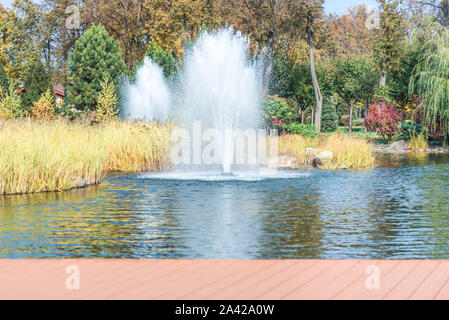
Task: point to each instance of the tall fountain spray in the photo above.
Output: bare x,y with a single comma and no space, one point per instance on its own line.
149,97
220,87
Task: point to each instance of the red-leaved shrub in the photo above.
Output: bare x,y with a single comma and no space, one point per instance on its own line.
383,118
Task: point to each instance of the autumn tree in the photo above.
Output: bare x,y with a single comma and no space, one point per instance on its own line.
25,35
125,21
388,48
173,24
349,34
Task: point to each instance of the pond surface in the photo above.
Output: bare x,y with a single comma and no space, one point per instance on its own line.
400,210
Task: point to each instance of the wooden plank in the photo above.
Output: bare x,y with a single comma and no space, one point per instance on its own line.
226,280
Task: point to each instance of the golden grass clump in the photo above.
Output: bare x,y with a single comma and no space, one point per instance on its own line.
349,151
58,155
295,146
418,143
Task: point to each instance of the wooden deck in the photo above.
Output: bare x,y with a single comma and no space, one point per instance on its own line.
223,280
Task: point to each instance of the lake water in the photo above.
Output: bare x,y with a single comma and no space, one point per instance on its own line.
399,210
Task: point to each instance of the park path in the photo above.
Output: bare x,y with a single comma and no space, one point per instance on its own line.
223,280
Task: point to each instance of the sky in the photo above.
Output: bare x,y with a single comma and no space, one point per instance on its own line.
331,6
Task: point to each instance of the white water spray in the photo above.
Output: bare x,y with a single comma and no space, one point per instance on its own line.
221,87
149,98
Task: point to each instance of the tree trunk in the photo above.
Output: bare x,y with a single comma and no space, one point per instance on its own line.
383,79
316,85
302,117
445,10
312,121
351,108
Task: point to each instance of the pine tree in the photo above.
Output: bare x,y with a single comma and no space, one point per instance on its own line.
36,83
95,56
329,120
163,58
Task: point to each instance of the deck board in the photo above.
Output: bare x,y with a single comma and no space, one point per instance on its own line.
224,280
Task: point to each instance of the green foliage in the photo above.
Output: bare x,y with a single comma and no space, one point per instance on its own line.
95,56
390,37
163,58
10,103
36,83
329,116
4,82
430,77
355,79
107,102
305,130
409,129
275,108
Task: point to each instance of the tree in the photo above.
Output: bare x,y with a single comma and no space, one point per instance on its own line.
10,102
4,82
125,21
330,117
308,14
95,56
107,102
36,83
293,81
430,77
438,8
163,58
25,34
44,108
173,24
348,34
389,38
353,74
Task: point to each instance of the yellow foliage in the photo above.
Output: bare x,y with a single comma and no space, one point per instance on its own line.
44,108
107,102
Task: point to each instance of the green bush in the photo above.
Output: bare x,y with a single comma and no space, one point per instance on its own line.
10,102
329,117
358,122
410,129
275,108
305,130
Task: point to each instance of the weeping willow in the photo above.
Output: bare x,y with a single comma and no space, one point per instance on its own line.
430,78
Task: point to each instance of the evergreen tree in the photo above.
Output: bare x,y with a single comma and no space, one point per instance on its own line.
163,58
95,56
36,83
329,120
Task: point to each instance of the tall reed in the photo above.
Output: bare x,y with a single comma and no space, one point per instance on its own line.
349,151
58,155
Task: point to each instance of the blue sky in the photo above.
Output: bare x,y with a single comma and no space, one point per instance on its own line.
335,6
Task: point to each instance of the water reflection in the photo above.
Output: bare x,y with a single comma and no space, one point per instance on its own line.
396,211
